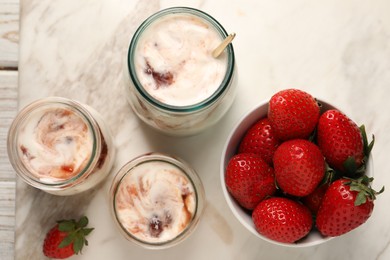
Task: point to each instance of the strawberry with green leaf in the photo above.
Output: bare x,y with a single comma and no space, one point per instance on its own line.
346,205
343,143
66,238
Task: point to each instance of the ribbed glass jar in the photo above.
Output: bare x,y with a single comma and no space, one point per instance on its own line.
179,64
60,146
156,200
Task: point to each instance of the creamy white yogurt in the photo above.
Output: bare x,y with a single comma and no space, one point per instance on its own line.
173,60
155,201
55,144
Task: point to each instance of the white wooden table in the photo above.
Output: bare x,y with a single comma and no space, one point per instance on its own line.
9,37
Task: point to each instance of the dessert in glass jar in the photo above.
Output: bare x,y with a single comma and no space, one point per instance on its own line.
157,200
173,82
60,146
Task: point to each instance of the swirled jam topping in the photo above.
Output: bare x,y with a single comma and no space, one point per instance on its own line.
173,60
55,144
155,202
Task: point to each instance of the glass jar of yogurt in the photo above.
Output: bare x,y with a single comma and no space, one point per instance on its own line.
60,146
157,200
173,82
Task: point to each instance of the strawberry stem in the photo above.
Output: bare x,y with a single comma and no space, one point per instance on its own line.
362,186
330,175
76,233
350,165
367,147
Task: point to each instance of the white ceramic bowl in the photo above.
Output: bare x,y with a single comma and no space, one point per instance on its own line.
230,149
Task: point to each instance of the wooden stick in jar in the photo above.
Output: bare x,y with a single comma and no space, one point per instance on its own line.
217,51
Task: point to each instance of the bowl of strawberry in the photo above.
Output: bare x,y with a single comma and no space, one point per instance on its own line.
296,171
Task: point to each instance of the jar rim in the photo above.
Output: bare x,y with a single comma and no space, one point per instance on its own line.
188,108
190,175
23,115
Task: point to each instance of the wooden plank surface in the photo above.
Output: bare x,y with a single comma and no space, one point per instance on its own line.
9,34
8,108
9,39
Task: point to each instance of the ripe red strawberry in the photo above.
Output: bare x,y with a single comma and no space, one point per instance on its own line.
299,167
346,205
260,139
293,114
249,179
341,141
314,199
66,238
282,219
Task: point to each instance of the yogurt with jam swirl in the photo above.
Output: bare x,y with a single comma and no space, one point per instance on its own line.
60,146
55,144
174,63
172,81
155,201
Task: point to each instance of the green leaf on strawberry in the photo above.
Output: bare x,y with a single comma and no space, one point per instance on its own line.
66,225
78,244
67,241
366,146
87,231
66,238
362,186
346,205
342,143
83,222
352,169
